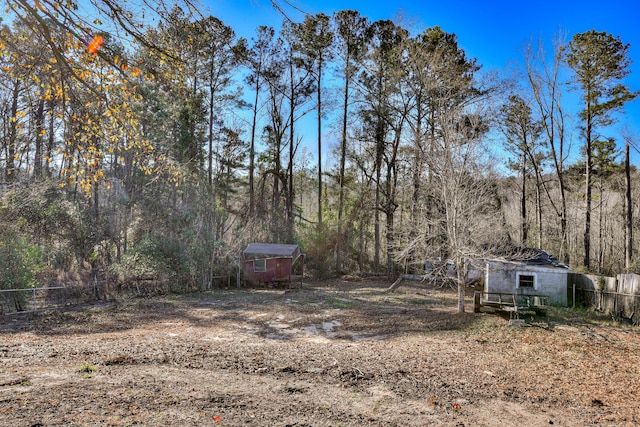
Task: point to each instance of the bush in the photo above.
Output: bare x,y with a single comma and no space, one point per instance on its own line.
20,263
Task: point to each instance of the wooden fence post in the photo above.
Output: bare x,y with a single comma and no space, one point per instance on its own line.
476,301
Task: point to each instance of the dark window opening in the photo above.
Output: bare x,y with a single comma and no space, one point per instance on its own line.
526,281
260,265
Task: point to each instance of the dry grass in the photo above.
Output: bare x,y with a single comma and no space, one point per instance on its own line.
333,353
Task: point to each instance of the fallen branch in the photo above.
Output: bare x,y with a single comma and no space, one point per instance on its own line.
402,277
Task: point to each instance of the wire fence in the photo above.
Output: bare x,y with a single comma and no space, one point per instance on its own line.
30,299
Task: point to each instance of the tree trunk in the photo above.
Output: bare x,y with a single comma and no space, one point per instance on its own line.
319,93
289,190
10,171
343,156
361,246
539,212
50,137
601,243
390,242
39,139
415,197
252,149
376,225
461,284
629,214
211,119
587,214
523,200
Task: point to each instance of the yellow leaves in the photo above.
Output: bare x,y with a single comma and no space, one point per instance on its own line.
39,6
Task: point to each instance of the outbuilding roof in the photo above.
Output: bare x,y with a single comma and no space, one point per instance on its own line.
532,256
271,250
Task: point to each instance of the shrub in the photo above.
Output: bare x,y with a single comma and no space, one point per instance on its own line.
20,263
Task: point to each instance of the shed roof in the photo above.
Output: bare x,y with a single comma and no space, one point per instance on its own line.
271,250
532,257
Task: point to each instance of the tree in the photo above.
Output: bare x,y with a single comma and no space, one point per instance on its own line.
351,45
439,78
221,56
522,133
316,39
600,62
257,60
546,87
604,164
380,83
449,118
628,214
297,89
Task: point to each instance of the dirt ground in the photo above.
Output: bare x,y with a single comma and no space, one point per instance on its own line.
333,353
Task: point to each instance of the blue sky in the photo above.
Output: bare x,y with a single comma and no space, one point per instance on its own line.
494,32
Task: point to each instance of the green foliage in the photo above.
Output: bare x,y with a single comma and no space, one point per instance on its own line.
159,257
19,262
600,61
88,370
44,215
87,367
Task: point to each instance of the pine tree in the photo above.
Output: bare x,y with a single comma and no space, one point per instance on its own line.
600,62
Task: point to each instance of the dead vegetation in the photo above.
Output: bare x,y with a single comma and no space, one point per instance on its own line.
332,353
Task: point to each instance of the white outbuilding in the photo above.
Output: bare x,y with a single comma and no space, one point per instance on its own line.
529,273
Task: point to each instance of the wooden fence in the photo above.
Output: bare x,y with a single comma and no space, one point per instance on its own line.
617,296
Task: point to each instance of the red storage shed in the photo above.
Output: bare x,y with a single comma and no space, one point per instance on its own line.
273,262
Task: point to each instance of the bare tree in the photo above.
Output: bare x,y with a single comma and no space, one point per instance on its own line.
546,86
630,142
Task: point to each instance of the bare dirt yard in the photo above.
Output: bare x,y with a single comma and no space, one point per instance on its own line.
333,353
